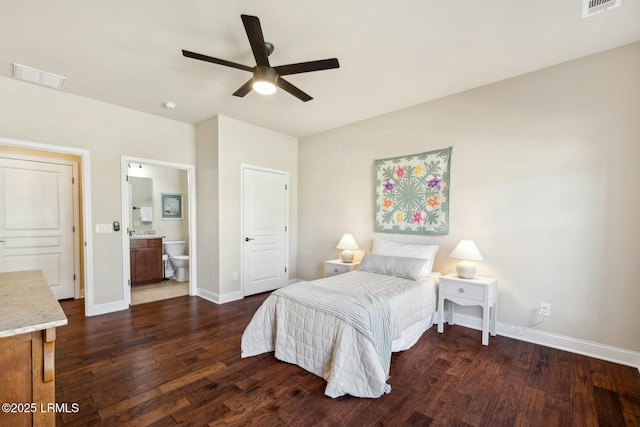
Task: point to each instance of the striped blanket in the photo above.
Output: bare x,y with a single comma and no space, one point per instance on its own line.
341,336
368,314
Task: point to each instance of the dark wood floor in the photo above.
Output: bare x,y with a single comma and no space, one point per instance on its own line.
178,362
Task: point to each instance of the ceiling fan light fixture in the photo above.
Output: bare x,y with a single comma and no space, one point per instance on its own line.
264,87
264,80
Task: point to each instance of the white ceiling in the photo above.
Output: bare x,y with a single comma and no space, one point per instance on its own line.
393,54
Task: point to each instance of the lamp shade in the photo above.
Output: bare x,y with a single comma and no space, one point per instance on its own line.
467,250
347,243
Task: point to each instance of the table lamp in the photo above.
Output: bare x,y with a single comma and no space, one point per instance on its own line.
347,244
466,251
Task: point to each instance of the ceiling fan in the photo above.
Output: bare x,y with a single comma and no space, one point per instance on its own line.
265,77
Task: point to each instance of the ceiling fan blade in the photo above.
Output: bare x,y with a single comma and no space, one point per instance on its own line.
307,67
285,85
244,89
206,58
256,39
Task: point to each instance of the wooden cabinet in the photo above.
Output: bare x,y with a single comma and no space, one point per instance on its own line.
146,261
30,315
28,379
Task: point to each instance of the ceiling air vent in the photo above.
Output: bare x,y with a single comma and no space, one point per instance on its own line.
43,78
593,7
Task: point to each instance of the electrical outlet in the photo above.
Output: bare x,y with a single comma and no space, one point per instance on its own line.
545,309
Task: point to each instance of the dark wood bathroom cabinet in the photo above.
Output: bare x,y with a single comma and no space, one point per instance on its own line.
146,261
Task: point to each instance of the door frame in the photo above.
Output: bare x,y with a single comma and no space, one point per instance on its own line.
243,167
85,208
126,208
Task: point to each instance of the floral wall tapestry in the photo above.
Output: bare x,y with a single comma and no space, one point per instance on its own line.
412,193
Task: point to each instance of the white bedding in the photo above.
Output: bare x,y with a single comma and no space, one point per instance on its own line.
328,347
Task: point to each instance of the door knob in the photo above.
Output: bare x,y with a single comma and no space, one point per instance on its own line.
246,239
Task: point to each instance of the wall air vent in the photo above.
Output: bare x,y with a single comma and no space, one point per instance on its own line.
43,78
593,7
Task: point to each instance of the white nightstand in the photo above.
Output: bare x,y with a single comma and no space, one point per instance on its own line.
336,266
482,291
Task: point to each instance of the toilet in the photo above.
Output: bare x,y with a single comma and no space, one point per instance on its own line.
177,259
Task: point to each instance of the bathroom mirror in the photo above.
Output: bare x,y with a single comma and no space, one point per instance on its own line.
141,202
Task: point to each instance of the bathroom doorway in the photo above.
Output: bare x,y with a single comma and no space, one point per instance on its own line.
158,206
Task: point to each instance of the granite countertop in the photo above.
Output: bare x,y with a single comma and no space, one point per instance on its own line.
146,236
27,304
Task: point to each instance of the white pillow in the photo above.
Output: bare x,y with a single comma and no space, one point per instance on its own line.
399,266
428,252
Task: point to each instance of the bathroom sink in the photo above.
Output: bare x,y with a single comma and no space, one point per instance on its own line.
146,236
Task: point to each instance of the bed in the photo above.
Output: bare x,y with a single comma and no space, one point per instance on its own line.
343,328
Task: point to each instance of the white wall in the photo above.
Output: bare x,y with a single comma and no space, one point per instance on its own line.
228,143
544,179
208,217
32,113
244,143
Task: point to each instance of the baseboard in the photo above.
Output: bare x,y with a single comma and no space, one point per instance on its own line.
208,295
219,298
233,296
561,342
230,297
111,307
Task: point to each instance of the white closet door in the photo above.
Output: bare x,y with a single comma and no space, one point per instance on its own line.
36,221
264,211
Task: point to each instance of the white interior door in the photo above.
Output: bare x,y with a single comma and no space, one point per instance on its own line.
36,221
264,210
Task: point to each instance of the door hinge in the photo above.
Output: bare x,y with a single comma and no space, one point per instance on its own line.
285,187
74,277
73,180
285,269
126,178
285,228
73,228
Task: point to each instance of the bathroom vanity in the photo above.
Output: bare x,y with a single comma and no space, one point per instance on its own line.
146,260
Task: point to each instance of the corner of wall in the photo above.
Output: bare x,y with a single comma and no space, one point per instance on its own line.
207,213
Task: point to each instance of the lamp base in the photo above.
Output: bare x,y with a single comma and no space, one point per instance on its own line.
466,270
347,256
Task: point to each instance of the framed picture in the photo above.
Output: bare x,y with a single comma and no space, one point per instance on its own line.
171,206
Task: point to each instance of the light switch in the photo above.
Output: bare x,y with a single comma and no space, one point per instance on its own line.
103,228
